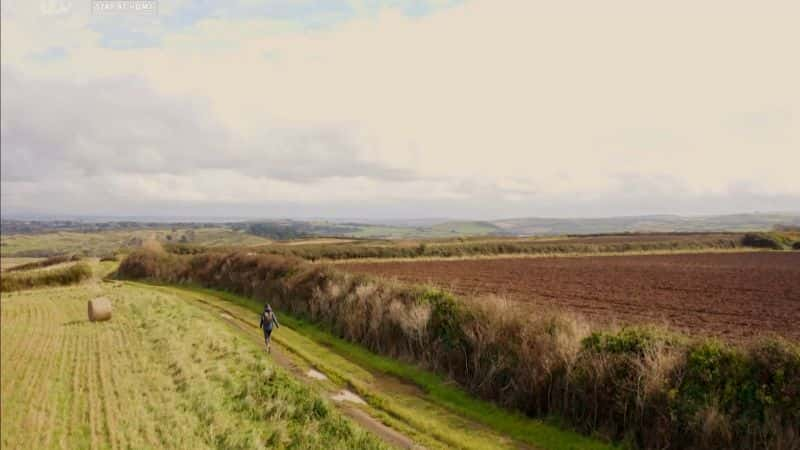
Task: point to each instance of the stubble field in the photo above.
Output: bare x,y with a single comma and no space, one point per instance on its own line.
161,374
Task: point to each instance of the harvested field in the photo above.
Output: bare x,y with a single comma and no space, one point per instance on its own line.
730,295
162,374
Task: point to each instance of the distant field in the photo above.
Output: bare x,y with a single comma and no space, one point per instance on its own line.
130,383
7,263
489,246
106,242
442,230
731,295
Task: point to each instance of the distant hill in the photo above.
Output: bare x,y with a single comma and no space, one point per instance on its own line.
536,226
656,223
286,229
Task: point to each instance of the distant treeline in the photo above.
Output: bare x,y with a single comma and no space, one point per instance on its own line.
641,386
292,229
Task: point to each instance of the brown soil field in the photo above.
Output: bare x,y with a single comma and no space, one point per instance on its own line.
733,296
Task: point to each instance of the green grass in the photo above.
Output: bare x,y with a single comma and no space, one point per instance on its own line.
438,231
475,228
382,231
389,399
436,389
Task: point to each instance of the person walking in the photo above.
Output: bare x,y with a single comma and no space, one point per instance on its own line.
268,321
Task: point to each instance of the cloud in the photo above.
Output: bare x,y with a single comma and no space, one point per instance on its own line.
476,109
122,126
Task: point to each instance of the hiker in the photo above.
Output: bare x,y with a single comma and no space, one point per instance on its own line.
268,320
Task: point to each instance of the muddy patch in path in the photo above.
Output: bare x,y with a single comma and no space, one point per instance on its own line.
348,396
317,375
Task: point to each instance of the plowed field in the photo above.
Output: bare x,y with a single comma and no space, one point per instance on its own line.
731,295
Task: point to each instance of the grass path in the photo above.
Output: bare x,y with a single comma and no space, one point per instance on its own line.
412,401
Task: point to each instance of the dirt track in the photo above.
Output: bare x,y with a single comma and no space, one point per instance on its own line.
733,295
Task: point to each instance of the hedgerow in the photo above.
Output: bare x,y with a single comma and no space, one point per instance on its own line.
72,274
643,386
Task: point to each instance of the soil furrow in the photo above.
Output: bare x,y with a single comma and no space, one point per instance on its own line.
737,296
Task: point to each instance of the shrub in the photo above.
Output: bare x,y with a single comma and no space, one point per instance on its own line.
631,340
774,241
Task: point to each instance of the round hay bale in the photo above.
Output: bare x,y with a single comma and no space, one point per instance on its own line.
99,309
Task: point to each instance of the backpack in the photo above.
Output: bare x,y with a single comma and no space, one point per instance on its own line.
266,319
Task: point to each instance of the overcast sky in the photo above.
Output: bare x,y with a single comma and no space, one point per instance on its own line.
474,109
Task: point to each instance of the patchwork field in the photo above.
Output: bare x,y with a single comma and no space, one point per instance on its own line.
730,295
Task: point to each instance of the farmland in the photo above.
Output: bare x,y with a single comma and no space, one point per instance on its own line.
731,295
129,383
99,243
185,368
642,384
507,361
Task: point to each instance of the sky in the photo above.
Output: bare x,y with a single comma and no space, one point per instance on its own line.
389,109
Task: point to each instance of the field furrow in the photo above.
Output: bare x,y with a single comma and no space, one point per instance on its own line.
55,413
78,426
40,388
736,296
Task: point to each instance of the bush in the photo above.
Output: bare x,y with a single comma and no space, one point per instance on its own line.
641,385
635,341
774,241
